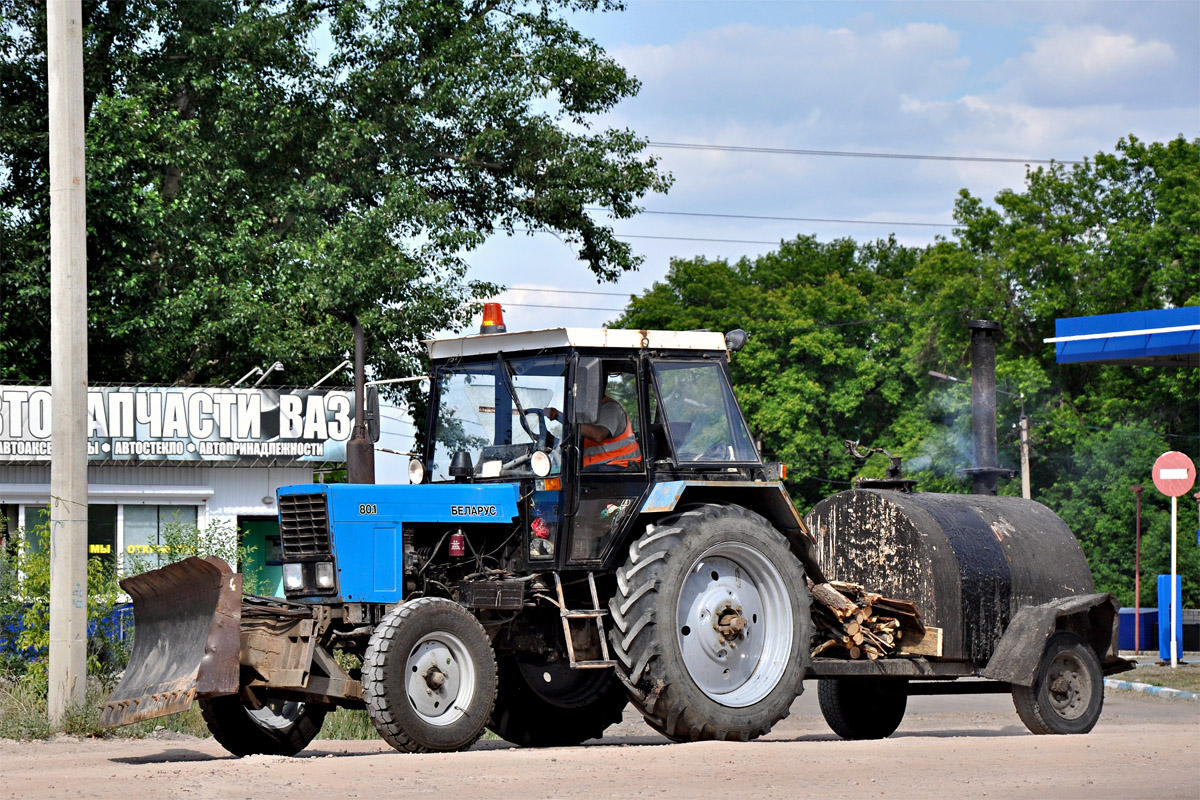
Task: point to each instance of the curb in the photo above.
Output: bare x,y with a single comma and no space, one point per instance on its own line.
1145,688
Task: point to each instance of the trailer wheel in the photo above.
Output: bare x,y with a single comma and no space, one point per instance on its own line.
429,677
1067,695
278,728
863,708
552,705
711,624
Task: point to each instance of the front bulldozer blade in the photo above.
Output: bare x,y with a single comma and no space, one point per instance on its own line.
186,628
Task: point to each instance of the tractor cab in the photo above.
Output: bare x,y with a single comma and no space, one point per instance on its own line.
587,422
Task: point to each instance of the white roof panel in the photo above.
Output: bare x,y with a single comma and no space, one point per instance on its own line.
518,341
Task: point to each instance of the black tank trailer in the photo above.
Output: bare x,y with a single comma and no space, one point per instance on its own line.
1001,582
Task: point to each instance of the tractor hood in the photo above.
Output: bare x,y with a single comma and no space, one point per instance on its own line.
395,503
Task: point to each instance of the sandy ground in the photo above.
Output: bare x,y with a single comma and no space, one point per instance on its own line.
955,747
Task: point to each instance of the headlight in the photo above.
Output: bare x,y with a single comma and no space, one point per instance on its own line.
324,575
293,577
539,462
416,471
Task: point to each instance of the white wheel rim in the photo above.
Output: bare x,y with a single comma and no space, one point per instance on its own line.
439,677
277,714
734,583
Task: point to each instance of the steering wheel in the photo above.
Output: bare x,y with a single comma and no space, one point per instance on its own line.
715,452
543,431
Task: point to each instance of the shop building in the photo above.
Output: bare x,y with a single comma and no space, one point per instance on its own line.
200,457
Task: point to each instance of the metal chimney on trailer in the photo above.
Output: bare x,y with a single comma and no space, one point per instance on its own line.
984,475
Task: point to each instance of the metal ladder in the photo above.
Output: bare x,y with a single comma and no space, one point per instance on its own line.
596,613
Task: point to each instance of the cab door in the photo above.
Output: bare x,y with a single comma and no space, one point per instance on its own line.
609,495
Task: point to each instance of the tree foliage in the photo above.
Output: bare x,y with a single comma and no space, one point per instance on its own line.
844,335
258,172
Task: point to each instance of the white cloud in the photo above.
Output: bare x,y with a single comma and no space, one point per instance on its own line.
1092,65
758,75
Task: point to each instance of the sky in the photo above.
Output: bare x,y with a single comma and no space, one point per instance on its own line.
1020,80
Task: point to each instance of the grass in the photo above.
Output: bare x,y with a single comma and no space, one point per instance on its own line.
348,723
1185,677
24,714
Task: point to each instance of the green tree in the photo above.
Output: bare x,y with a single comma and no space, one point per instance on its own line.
259,171
826,325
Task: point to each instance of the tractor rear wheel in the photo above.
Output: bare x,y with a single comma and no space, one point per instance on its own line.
711,624
277,728
863,708
552,705
429,677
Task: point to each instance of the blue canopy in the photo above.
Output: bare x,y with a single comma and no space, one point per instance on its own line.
1168,337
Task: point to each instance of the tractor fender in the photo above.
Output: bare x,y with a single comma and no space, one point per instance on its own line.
1019,652
766,498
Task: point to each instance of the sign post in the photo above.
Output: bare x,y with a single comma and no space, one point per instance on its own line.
1174,475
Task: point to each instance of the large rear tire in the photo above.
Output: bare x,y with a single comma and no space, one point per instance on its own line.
552,705
863,708
711,624
278,728
1067,695
429,677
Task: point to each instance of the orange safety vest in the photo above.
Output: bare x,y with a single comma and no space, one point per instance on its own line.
620,451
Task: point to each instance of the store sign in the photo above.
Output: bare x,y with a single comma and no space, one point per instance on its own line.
186,424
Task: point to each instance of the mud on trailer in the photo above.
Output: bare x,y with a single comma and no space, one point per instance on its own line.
511,587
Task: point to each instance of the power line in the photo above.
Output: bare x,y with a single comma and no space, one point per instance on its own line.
564,291
668,238
792,219
567,308
788,151
693,239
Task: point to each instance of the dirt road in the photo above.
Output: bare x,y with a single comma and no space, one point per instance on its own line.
958,747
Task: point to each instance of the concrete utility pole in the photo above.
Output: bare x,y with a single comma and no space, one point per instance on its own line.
1025,488
68,359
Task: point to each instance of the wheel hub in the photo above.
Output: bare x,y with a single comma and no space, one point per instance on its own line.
729,623
435,680
1068,687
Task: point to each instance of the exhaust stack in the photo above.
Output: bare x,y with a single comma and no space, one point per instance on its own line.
984,476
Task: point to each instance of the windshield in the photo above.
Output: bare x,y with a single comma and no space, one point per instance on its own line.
476,413
702,417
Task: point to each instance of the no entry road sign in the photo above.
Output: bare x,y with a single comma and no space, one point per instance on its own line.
1174,474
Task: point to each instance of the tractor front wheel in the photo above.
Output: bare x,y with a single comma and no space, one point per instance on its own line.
276,728
429,677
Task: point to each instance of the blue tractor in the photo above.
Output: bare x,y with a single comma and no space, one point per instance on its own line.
590,524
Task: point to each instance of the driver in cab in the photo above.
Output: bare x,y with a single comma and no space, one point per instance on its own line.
610,444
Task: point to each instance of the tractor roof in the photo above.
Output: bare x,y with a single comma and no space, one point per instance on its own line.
518,341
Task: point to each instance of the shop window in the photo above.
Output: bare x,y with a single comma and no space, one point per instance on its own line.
146,542
102,531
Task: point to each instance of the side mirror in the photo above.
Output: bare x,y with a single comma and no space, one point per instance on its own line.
587,391
372,413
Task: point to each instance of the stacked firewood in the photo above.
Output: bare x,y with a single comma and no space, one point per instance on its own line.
852,622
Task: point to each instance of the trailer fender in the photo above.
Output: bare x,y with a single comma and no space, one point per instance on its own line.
768,499
1019,652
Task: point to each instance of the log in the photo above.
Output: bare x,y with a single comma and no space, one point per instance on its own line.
841,606
826,645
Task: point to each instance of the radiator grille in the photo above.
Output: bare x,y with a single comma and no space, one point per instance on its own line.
304,525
